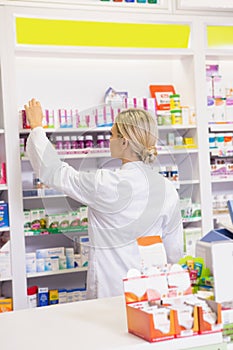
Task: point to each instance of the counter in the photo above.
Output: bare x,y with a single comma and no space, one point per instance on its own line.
93,324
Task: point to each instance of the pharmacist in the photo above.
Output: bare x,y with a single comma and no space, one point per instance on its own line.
123,205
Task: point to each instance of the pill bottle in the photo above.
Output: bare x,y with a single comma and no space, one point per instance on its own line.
49,116
21,145
174,174
66,142
74,144
62,118
220,140
166,118
80,142
179,141
32,296
58,142
89,141
100,141
212,140
163,171
228,139
176,116
107,141
174,102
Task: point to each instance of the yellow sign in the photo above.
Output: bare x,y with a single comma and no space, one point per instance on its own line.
37,31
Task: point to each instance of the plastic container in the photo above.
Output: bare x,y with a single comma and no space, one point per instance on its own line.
163,171
89,141
228,139
74,144
220,140
212,140
21,145
62,118
49,116
176,116
174,173
174,102
107,141
80,142
32,296
100,141
58,142
66,142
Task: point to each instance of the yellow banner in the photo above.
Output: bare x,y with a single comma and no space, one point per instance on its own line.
220,37
37,31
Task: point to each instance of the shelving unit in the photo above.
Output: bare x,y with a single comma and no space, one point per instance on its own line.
221,186
61,64
77,77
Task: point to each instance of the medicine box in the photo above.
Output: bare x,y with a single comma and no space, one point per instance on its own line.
6,304
5,260
206,325
145,316
4,219
50,252
43,296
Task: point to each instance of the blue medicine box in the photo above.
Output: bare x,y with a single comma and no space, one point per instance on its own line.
4,218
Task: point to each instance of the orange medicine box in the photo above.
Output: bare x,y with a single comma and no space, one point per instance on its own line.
6,305
142,324
154,323
205,326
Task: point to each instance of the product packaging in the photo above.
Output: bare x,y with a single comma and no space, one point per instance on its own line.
4,218
6,304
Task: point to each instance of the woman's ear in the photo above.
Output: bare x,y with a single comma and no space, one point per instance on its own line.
125,142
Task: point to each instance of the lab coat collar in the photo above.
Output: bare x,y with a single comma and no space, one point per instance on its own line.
133,165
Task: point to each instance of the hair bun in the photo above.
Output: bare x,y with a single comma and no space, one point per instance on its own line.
149,154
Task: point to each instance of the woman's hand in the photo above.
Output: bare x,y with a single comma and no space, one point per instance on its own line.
34,113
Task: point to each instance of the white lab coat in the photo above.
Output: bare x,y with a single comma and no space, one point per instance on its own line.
122,205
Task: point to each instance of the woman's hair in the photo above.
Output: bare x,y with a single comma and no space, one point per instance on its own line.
140,129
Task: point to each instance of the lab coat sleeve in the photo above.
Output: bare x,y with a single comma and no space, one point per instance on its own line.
173,232
54,173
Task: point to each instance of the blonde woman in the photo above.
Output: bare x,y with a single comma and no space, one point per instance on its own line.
123,205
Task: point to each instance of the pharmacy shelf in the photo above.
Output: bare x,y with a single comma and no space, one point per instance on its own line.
165,151
188,182
222,179
101,52
224,215
189,220
221,127
70,130
3,229
180,183
79,156
5,279
3,187
59,272
212,54
225,152
44,197
105,129
177,127
171,150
